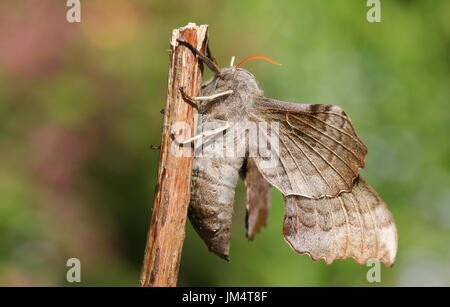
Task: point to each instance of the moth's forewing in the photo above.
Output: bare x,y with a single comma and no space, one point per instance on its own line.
319,151
258,199
355,224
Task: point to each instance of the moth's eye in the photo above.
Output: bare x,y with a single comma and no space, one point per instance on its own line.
226,77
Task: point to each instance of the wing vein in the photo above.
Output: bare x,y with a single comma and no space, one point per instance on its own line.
309,112
310,161
346,224
358,214
293,158
373,221
279,158
317,230
320,155
298,166
328,136
337,128
335,154
334,230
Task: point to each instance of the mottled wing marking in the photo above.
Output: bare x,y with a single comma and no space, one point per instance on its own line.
258,199
355,224
319,151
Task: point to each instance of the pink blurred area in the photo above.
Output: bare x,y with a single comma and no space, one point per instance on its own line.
55,103
34,36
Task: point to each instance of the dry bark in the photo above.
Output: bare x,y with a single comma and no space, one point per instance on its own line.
167,228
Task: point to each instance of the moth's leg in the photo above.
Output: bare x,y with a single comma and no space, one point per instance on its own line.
213,66
153,147
213,97
188,98
202,135
195,100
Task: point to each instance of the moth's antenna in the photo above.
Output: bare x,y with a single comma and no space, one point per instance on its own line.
258,57
232,60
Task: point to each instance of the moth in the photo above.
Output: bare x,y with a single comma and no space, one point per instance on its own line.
331,212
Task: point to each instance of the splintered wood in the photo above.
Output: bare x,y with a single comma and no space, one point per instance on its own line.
167,228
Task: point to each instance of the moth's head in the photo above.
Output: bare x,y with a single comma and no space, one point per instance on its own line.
230,78
233,77
236,78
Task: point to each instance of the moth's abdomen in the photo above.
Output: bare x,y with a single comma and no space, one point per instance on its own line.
212,196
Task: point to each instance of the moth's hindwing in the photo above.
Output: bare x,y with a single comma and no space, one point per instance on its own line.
355,224
258,199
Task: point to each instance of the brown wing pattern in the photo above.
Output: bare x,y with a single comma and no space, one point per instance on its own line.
319,151
357,224
258,199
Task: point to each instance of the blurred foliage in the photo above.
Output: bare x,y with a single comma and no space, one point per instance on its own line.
79,107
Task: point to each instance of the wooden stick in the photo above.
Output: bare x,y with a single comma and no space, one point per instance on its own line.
167,228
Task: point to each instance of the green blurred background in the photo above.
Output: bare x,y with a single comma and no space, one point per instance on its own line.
79,107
